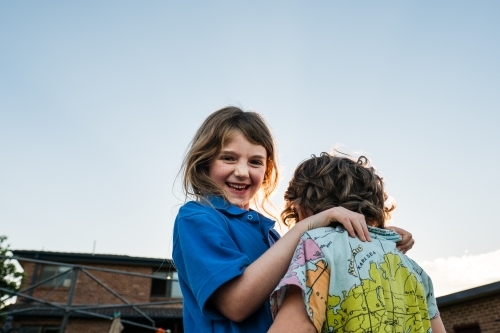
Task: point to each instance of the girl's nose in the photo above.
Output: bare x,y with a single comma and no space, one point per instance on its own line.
241,170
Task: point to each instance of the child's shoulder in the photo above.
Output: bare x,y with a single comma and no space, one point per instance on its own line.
195,207
327,231
384,234
200,216
200,211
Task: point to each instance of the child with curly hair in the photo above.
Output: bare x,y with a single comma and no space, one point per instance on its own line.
336,283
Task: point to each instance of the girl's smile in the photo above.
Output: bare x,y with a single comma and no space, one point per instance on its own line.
239,169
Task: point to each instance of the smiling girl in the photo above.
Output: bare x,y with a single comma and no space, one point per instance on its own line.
229,257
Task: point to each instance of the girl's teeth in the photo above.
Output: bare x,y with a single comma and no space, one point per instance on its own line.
238,187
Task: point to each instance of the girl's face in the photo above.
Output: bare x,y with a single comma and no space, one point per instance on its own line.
239,169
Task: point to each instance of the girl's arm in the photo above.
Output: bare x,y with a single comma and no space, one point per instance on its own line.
437,325
243,295
292,316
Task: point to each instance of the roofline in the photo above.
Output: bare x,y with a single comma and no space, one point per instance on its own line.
93,258
469,294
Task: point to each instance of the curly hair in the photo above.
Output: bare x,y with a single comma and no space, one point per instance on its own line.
326,181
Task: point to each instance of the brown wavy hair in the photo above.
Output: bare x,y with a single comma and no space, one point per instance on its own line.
209,140
326,181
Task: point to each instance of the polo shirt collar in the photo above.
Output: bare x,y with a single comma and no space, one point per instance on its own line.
221,204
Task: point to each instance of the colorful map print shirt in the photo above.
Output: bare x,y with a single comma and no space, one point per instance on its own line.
359,287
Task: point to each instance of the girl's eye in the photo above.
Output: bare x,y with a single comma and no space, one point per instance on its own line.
257,162
226,158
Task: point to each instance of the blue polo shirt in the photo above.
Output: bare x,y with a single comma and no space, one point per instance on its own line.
213,243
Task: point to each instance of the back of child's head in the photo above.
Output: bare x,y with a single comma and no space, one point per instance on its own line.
209,140
326,181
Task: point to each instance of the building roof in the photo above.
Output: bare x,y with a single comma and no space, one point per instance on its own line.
89,258
469,294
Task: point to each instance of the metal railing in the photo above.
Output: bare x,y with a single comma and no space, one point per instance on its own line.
86,310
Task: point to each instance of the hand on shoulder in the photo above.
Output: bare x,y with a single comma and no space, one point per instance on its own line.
354,223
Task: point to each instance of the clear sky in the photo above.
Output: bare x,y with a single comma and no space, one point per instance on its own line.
99,100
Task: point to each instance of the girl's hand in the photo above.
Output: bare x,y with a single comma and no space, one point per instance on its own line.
407,241
354,223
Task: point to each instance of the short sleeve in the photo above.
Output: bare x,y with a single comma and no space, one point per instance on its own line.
206,257
429,290
431,299
309,271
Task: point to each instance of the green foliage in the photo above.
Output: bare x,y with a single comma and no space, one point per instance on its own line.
10,274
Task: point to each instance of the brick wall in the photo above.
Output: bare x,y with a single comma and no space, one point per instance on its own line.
134,289
484,311
88,291
73,326
87,326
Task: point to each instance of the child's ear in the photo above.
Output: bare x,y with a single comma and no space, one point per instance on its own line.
301,213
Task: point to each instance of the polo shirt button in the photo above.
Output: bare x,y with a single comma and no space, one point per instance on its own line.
249,217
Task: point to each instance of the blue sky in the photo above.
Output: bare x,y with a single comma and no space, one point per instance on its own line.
99,100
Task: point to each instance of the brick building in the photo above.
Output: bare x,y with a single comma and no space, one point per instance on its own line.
80,292
475,310
146,295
